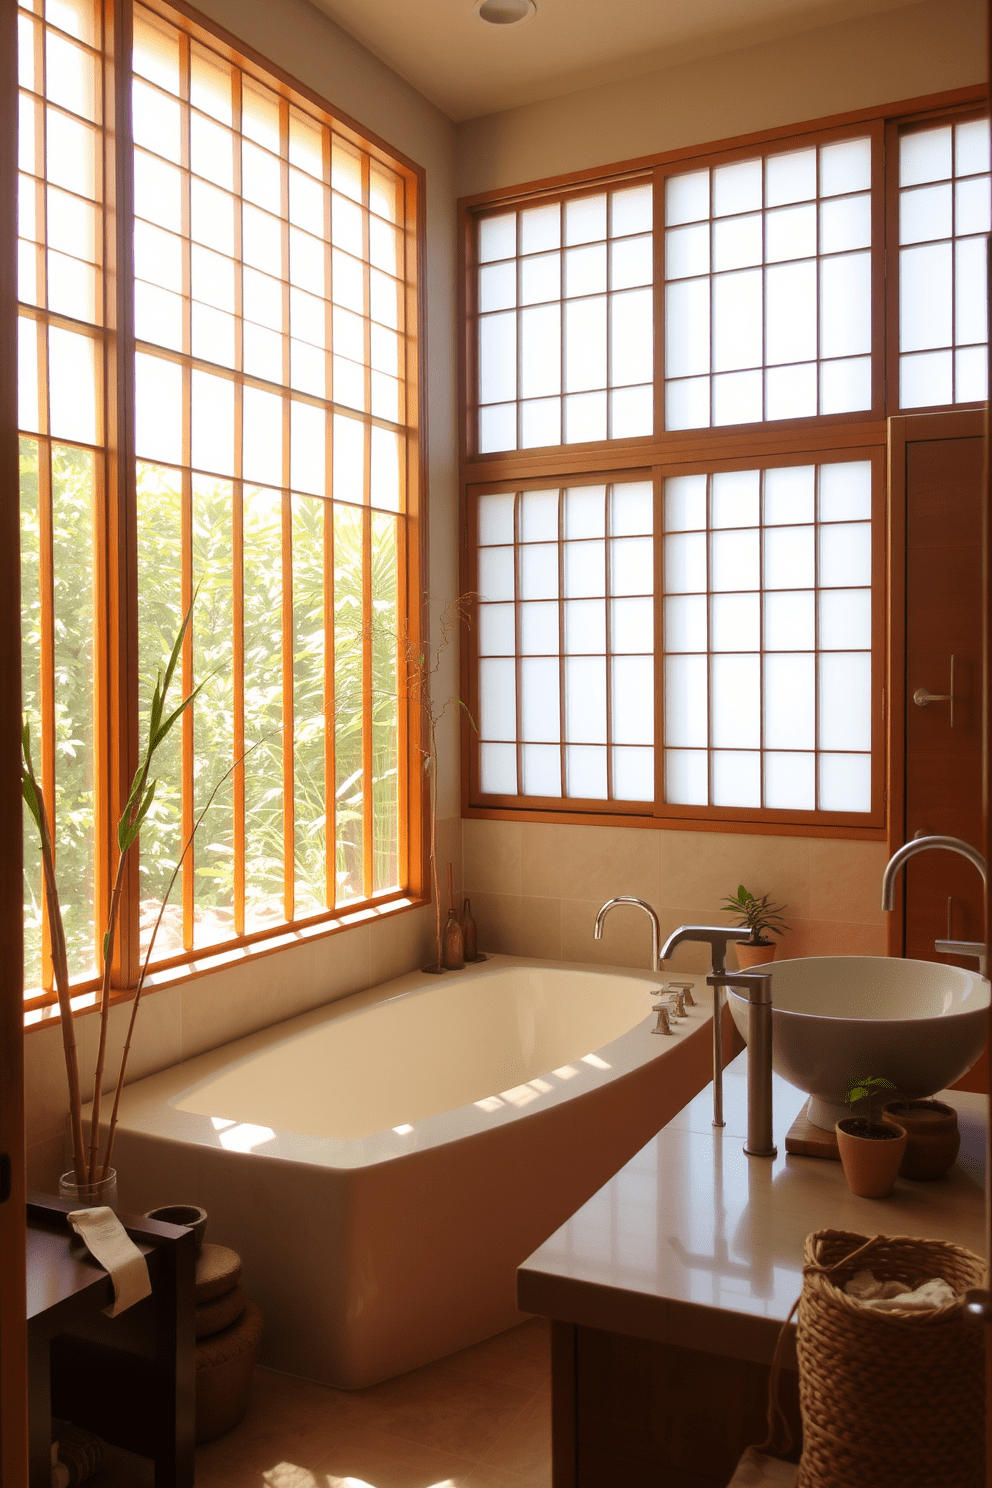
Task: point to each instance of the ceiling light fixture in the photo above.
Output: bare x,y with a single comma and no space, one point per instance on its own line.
505,12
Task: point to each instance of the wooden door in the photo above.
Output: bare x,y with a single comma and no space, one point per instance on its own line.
937,484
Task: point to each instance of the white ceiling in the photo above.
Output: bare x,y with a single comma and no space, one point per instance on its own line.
468,68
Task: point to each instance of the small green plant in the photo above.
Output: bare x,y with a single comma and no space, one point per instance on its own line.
761,916
867,1088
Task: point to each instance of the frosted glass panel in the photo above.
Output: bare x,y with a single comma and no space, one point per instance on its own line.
632,625
497,358
845,491
585,699
685,623
496,630
970,292
972,206
686,777
495,519
498,287
213,424
585,219
736,702
971,374
736,322
790,702
687,251
539,708
540,228
540,351
845,554
633,700
925,297
925,155
585,344
790,313
687,198
687,403
737,242
845,782
497,237
686,710
540,279
540,422
737,188
845,224
497,700
585,417
496,573
925,214
631,412
733,560
539,629
735,622
685,503
845,167
498,769
585,625
631,210
845,305
585,570
789,559
539,571
790,177
631,338
585,768
631,508
790,392
585,270
734,498
790,781
498,427
790,622
736,778
790,233
541,770
632,565
737,398
845,386
687,328
925,379
539,516
845,700
788,494
845,619
633,774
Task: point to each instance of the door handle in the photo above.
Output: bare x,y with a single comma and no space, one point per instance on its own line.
922,697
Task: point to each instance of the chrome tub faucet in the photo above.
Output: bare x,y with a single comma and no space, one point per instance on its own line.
717,937
641,904
948,947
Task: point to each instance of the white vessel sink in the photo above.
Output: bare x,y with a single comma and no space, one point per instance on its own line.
920,1024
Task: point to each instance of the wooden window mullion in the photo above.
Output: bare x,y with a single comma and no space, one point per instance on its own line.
46,578
368,839
238,652
288,723
188,737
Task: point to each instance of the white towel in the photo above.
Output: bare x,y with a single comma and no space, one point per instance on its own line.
892,1296
107,1241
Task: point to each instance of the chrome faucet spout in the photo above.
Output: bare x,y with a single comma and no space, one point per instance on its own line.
717,938
641,904
927,844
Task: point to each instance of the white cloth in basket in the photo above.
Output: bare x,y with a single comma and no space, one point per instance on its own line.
890,1296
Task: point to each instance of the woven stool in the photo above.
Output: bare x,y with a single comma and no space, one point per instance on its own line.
229,1332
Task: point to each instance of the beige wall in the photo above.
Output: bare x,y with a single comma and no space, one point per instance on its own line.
878,59
176,1023
535,889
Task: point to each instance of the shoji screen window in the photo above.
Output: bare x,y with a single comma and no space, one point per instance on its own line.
62,420
768,287
771,582
564,322
565,692
271,414
943,292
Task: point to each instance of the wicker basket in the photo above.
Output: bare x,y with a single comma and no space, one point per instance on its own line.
889,1399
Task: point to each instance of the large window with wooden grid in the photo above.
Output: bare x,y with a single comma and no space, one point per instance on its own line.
706,348
219,406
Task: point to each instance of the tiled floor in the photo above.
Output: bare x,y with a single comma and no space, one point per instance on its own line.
479,1419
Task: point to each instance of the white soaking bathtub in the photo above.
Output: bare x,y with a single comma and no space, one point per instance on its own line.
383,1164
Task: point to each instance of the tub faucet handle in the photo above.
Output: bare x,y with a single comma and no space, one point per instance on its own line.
677,1001
664,1023
686,990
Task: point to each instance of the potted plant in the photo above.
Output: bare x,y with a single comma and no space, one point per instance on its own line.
871,1150
762,918
932,1136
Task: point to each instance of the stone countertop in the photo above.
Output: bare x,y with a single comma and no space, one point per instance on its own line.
696,1245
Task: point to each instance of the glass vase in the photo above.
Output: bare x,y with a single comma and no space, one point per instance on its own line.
89,1195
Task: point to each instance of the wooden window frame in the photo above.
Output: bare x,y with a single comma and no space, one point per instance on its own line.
818,438
115,686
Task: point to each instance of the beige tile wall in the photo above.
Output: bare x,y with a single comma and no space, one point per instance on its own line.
535,888
176,1023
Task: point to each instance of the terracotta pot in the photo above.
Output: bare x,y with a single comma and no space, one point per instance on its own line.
932,1135
870,1162
754,953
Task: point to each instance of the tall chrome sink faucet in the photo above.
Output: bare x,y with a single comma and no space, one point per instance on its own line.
641,904
717,937
926,844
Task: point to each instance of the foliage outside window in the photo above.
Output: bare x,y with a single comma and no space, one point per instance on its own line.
252,444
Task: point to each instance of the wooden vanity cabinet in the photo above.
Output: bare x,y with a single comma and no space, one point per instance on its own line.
650,1415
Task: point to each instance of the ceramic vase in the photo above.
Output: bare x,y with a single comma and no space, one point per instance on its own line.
190,1215
870,1163
932,1136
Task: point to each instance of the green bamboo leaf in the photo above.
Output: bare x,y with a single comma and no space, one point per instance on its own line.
468,713
30,793
177,648
157,739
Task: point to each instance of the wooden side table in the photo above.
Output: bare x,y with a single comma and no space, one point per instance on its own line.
131,1379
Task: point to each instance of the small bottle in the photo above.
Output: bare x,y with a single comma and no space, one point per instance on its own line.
452,946
470,934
